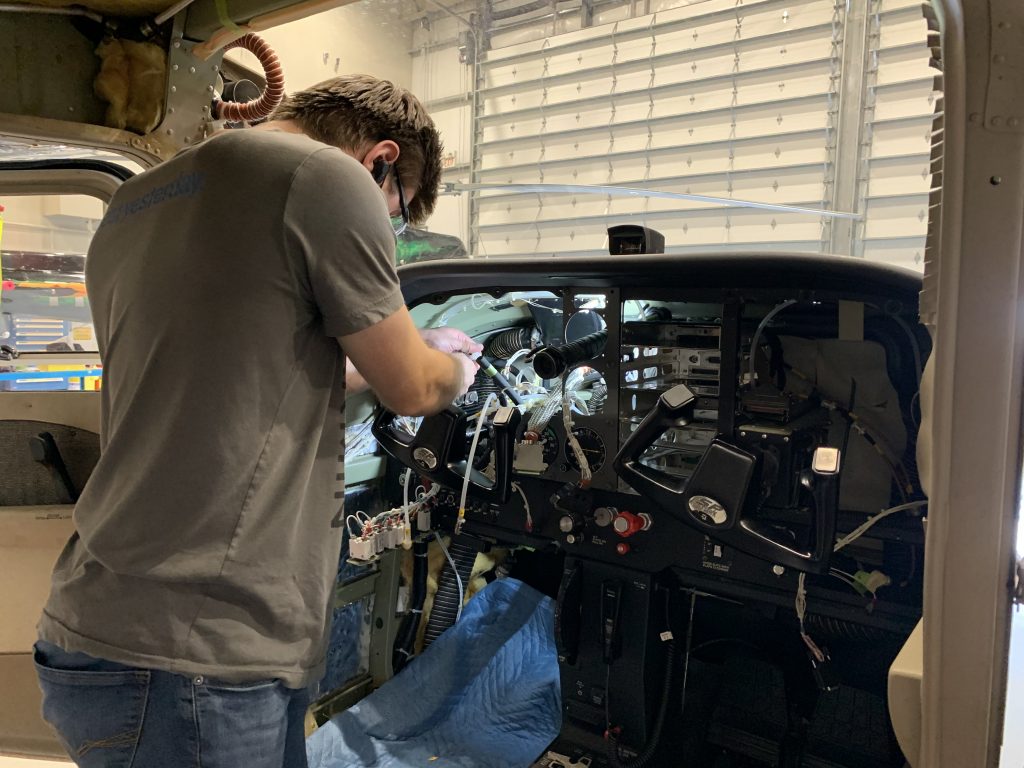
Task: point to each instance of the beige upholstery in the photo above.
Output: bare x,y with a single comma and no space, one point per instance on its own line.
905,695
22,730
31,538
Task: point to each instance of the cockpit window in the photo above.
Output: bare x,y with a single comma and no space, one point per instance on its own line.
720,125
47,340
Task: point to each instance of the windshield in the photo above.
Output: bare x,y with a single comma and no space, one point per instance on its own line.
720,125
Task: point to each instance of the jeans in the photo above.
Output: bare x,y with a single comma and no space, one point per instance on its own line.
109,715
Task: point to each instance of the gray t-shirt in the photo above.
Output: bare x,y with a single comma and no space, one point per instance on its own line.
209,533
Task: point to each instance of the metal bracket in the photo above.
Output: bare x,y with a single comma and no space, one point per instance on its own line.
190,90
1004,108
337,701
384,621
356,589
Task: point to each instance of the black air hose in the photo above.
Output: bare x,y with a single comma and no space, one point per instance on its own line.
647,754
446,601
501,346
550,362
405,640
659,314
833,628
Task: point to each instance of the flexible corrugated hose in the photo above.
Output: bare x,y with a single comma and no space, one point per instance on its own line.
446,601
248,111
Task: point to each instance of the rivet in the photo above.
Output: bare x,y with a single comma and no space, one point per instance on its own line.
1013,122
975,117
206,109
170,110
209,88
216,68
170,131
778,570
174,89
192,70
177,43
174,67
995,181
198,680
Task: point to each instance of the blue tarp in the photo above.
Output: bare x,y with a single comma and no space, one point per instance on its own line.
483,695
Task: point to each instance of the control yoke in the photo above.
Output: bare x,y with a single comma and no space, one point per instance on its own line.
438,450
718,498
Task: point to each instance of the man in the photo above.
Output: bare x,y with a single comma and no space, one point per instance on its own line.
189,611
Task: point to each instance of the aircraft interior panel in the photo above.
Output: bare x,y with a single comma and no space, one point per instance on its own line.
728,518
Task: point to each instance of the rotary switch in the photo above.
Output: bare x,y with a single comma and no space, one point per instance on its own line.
626,523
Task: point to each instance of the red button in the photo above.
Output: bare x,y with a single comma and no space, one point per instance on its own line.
626,524
622,548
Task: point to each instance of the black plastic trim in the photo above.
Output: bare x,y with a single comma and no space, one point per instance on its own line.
101,166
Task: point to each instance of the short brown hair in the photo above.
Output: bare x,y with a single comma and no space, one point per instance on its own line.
353,110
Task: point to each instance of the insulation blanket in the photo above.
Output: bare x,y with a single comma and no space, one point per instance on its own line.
484,695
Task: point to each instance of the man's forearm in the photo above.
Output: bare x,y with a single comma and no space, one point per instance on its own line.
445,389
450,386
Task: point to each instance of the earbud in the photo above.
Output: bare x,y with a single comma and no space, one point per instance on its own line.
381,168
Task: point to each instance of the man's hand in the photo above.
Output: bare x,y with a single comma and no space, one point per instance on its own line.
455,342
450,340
469,369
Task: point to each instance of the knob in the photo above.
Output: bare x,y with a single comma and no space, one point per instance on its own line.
570,523
603,516
626,523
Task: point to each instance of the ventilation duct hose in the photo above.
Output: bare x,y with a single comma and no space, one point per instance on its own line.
405,641
446,601
501,346
550,362
272,94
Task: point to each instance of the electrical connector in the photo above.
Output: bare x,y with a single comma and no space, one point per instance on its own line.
361,548
870,582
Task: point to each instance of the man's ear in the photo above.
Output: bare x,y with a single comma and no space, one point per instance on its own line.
385,150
